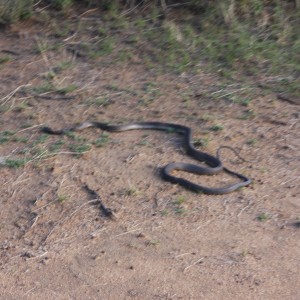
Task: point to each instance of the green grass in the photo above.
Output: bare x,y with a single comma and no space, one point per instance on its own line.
257,38
48,86
251,142
5,59
10,136
132,191
16,163
56,146
102,140
201,142
5,136
180,200
61,4
80,148
62,198
14,10
216,127
100,101
263,217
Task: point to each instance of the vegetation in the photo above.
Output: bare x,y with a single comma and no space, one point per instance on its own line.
14,10
236,39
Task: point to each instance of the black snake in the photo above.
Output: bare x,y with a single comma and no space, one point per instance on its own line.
214,164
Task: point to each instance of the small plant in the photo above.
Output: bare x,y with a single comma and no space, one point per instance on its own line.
99,101
4,59
180,200
102,140
42,46
144,141
251,142
104,47
5,136
73,136
207,117
248,114
15,163
14,10
245,102
153,242
41,139
62,198
132,192
164,212
79,149
201,142
21,107
56,146
64,65
44,88
216,128
263,217
19,139
61,4
180,210
66,89
50,87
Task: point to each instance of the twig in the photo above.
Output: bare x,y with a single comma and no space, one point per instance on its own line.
127,12
179,255
31,127
38,256
35,221
87,12
32,289
230,93
244,208
11,94
193,264
126,232
49,97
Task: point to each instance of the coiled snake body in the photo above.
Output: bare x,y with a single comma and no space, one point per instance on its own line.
214,164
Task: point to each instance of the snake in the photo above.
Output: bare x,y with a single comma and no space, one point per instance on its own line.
213,164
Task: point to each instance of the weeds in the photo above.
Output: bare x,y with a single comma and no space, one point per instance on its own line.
5,59
48,87
131,192
201,142
217,127
5,136
14,10
180,200
247,114
56,146
251,142
164,212
179,209
263,217
101,101
79,149
102,140
153,243
62,198
15,163
61,4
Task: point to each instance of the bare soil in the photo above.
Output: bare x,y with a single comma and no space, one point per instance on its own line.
165,242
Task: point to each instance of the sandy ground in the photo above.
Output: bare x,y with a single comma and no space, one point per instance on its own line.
166,242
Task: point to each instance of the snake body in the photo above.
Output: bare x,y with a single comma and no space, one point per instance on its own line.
214,165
